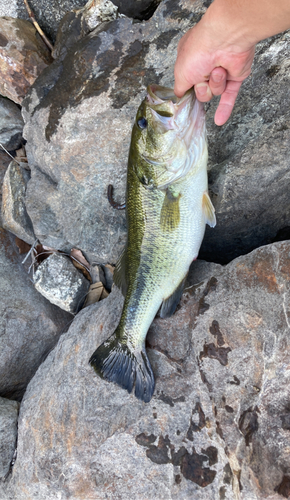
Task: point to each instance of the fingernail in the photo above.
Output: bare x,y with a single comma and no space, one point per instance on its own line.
201,89
217,78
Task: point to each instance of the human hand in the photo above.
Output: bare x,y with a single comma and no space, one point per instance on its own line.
213,65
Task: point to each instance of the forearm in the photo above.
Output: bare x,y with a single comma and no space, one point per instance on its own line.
243,23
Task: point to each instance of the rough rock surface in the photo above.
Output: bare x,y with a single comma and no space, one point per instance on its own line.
30,326
77,24
57,279
8,433
218,424
249,161
11,124
23,56
79,116
14,214
48,13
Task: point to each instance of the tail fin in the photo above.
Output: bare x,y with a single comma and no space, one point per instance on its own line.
115,362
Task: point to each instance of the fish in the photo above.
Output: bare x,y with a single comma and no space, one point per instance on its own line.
167,209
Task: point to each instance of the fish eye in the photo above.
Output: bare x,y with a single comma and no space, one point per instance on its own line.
142,123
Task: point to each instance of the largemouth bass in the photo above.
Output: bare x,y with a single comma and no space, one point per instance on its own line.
167,208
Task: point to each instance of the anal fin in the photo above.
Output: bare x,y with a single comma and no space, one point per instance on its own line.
208,210
170,304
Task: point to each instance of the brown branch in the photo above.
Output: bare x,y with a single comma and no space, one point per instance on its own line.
32,17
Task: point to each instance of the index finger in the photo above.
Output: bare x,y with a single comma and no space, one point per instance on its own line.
227,101
181,84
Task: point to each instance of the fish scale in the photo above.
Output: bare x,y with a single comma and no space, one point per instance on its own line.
167,207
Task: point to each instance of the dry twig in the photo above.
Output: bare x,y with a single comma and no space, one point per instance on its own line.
32,17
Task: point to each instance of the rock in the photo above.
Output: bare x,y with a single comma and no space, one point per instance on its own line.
76,24
48,14
108,275
218,424
57,279
14,213
30,326
11,124
200,270
23,56
8,433
138,9
79,116
249,168
78,126
10,8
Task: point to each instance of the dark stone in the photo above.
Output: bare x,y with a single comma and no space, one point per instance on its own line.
166,399
3,40
196,427
159,454
14,214
212,454
137,9
177,456
236,381
133,69
145,440
284,487
228,474
66,90
222,493
202,306
248,424
272,71
215,330
285,421
219,353
193,470
164,39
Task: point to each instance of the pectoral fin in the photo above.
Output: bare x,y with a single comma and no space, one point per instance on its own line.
170,213
208,210
170,304
120,273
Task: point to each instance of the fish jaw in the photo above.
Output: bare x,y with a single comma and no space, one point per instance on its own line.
179,125
176,113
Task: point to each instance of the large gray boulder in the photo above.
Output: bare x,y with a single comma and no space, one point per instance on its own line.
48,13
218,424
11,124
13,209
79,116
23,56
8,434
30,326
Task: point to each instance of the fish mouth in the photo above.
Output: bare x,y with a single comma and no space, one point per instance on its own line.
184,114
156,95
